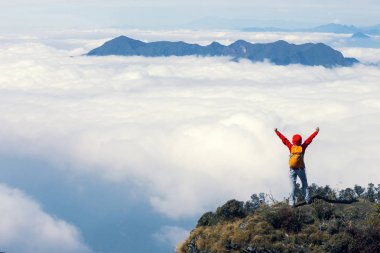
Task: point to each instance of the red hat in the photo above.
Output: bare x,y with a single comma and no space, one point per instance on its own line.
297,139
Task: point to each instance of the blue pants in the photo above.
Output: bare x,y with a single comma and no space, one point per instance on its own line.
301,173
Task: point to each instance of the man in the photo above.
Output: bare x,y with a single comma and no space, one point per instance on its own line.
296,163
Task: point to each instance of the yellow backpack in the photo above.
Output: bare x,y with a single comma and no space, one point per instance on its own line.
296,157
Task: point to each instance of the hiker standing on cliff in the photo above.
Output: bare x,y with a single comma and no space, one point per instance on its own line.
296,163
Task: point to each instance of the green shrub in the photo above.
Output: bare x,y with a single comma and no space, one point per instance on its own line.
339,243
231,210
377,208
283,216
365,239
324,211
207,219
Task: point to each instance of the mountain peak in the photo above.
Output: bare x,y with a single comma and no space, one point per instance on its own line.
278,52
360,35
121,45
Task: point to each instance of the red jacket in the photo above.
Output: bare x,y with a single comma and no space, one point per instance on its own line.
297,140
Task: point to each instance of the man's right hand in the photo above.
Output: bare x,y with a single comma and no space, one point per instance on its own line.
275,129
317,129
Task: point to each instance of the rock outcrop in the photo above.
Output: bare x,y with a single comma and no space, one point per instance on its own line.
334,222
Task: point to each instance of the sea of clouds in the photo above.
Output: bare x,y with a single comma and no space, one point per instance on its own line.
25,227
189,132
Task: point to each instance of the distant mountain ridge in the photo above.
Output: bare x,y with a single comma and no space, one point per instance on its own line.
327,28
279,52
360,35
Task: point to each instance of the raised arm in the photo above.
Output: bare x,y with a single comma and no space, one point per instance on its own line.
283,139
311,137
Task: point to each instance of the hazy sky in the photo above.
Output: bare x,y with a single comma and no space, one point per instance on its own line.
43,14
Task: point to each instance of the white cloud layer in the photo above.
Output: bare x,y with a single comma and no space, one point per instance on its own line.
24,227
365,55
192,132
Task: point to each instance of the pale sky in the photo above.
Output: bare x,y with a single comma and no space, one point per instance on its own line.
42,14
